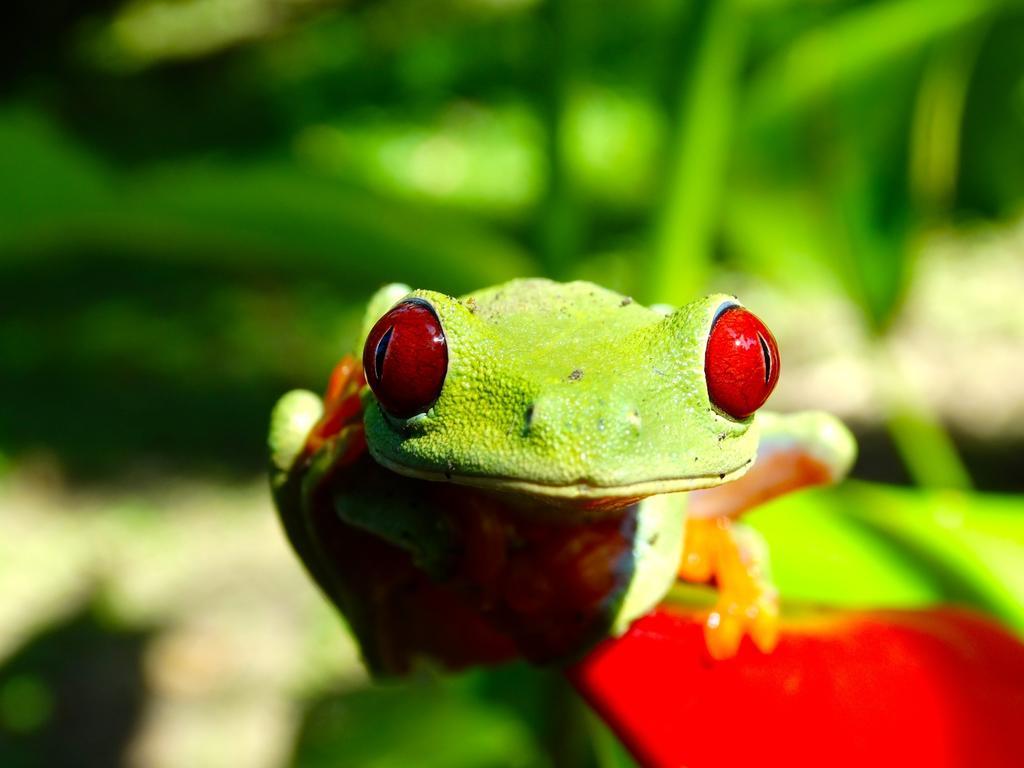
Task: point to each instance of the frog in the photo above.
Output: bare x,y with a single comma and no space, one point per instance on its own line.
525,470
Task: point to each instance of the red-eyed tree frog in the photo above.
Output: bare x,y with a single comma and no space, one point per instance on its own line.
527,469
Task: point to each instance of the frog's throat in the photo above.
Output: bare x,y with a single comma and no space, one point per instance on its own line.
577,491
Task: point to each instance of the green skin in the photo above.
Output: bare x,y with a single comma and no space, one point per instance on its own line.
568,398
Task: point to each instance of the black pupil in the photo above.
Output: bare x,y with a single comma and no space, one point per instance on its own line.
767,358
382,350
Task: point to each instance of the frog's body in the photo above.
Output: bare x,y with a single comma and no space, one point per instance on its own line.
534,496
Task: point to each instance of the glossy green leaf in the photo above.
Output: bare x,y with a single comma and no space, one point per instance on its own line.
855,45
264,215
429,724
869,545
971,543
820,555
698,155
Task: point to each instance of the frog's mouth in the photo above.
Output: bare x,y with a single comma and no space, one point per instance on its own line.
581,493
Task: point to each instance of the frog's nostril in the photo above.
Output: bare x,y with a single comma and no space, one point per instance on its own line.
528,419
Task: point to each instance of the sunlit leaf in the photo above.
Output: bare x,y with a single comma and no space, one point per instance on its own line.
697,156
272,215
821,556
869,545
857,44
972,543
429,724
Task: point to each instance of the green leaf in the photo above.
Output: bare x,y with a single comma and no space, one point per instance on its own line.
56,197
429,724
867,545
43,175
698,156
854,46
971,543
819,554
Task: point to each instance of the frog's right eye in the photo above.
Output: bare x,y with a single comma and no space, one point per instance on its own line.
741,362
406,358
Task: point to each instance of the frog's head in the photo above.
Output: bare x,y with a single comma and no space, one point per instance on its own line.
567,392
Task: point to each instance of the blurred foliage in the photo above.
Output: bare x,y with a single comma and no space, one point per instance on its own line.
196,196
440,722
202,191
75,690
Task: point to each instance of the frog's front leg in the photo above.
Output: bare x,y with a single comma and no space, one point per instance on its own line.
717,549
796,451
310,437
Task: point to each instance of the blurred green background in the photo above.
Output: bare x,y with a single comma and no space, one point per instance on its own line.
197,196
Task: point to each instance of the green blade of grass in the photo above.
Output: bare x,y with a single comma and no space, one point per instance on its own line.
57,198
698,157
856,45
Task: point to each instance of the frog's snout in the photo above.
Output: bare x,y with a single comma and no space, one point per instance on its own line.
566,415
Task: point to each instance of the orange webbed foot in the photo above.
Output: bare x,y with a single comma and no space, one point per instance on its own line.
747,602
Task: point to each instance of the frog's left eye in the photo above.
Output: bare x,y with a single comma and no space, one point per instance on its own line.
741,363
406,358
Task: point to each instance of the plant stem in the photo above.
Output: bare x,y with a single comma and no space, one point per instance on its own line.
923,443
560,226
698,155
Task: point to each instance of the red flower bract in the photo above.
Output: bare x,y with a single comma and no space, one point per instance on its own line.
909,688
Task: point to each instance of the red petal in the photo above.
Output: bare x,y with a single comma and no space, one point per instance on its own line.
934,688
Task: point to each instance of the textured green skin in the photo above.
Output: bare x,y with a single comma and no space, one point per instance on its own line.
568,392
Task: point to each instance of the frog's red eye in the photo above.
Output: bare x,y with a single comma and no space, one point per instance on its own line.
406,358
741,364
